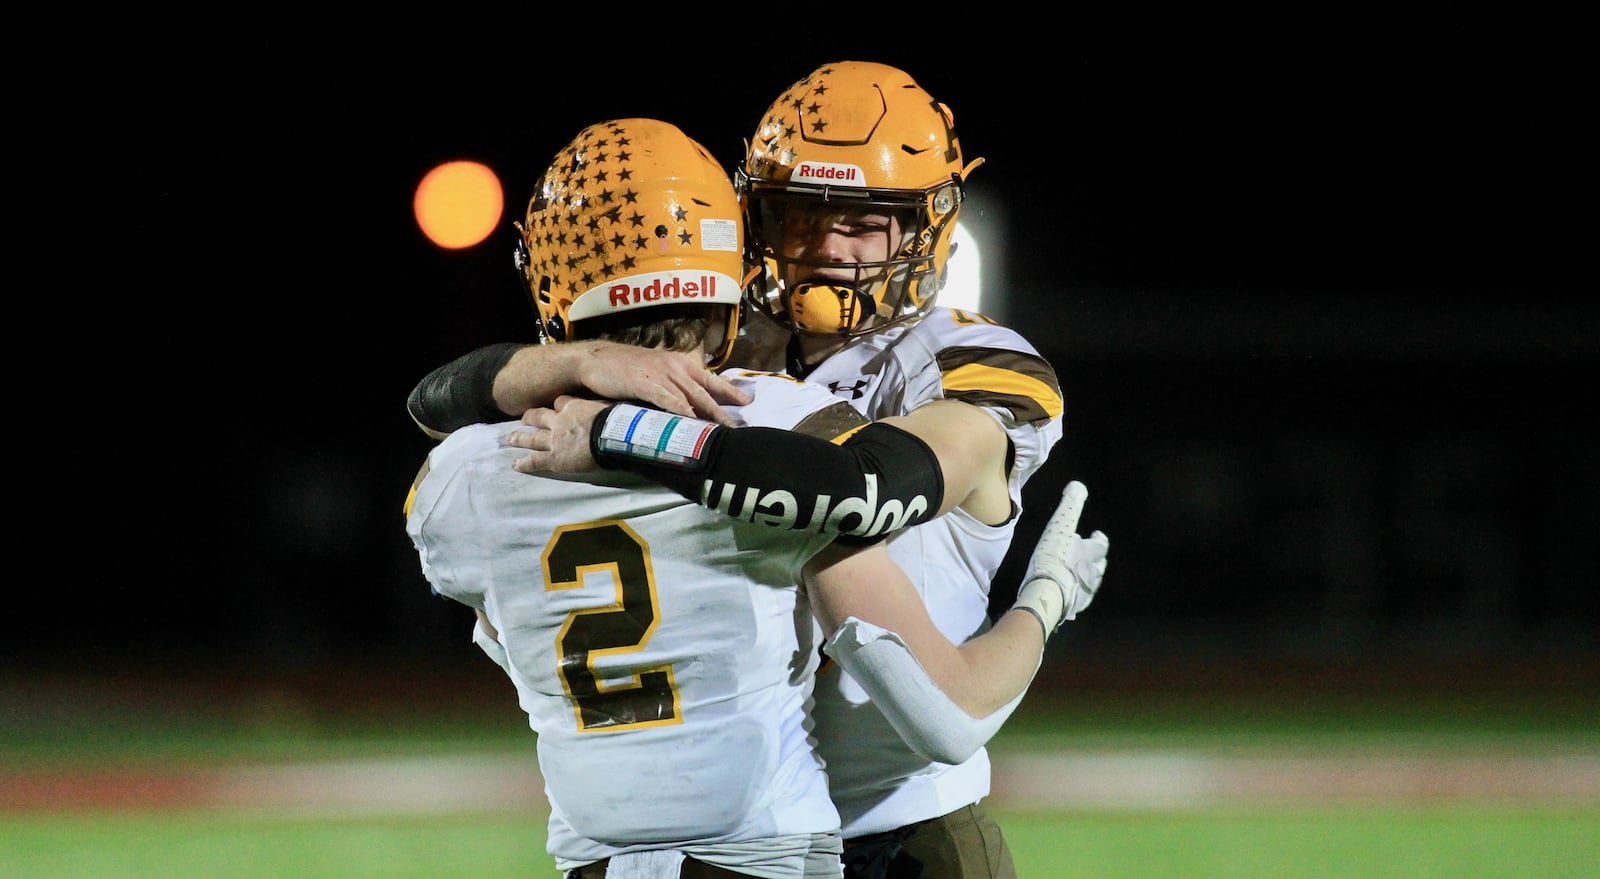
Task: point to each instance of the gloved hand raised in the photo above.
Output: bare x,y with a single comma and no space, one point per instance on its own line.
1065,571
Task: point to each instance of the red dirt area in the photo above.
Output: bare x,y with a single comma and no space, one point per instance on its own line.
1145,777
348,787
1036,781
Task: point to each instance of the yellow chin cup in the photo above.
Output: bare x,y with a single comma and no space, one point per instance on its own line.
823,309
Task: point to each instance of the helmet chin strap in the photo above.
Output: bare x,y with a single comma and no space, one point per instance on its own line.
795,358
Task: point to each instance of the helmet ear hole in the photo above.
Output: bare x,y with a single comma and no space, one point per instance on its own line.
550,322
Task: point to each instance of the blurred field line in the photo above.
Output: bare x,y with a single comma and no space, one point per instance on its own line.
1146,780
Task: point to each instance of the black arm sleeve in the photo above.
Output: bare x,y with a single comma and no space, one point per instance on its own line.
878,481
461,392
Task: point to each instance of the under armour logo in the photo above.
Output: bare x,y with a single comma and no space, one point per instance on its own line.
855,390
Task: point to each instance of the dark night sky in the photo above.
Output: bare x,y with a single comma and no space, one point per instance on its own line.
1298,284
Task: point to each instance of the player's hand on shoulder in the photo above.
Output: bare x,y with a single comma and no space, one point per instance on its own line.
674,381
557,437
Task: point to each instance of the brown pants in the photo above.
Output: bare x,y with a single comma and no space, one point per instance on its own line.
965,844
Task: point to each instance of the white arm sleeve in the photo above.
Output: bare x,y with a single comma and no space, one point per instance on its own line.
929,721
488,644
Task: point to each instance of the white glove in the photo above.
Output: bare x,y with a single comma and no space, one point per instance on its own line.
1065,571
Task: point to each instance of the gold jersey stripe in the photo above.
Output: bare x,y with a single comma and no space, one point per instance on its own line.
411,496
1021,383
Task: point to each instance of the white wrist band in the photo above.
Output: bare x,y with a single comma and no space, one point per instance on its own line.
1042,597
653,435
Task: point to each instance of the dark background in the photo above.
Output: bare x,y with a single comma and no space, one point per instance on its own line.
1320,299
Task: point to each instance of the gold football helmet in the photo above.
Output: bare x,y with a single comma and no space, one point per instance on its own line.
852,136
632,213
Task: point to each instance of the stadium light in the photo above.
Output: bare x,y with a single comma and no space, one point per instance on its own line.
964,287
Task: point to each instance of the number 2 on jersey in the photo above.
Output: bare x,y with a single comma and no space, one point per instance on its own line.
650,698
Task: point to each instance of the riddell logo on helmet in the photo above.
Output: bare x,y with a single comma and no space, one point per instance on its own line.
625,295
828,172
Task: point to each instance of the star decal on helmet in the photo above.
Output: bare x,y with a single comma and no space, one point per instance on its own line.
561,211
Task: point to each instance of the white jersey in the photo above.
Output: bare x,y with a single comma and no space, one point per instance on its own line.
661,651
876,780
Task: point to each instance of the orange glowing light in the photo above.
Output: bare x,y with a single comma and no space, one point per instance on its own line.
458,204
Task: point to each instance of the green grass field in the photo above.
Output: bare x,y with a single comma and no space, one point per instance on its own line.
1412,836
1441,842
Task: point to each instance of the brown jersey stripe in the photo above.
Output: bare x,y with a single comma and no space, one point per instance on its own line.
835,423
1000,358
1023,383
1027,399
